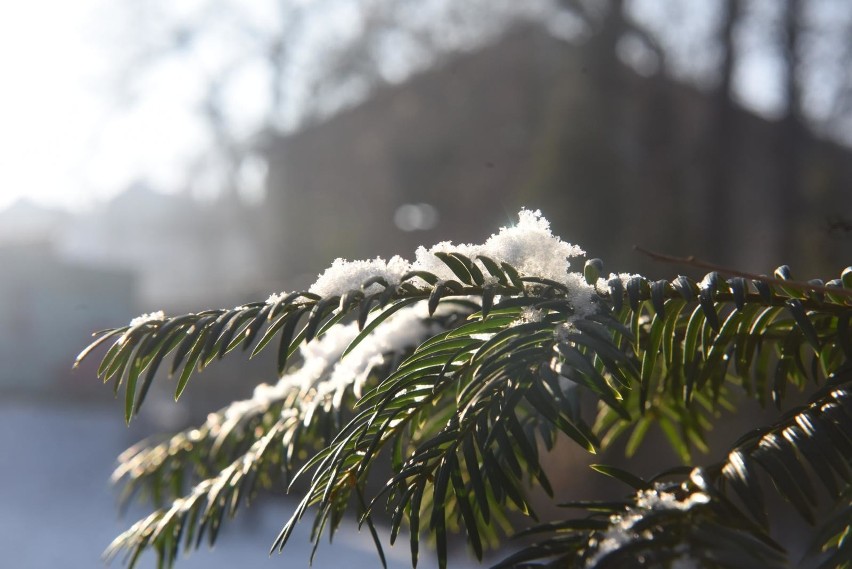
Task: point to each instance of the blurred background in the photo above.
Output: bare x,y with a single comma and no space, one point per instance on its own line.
201,154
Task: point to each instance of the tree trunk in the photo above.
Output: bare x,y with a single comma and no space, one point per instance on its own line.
789,148
722,148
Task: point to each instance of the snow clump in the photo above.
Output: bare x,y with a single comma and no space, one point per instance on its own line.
324,377
343,276
276,297
602,286
529,315
319,356
425,259
401,331
620,531
157,316
529,246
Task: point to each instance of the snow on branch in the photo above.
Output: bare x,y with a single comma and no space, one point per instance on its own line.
529,246
324,377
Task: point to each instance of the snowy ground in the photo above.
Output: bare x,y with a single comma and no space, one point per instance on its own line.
57,510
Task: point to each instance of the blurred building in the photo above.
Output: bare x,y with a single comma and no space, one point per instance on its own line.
613,158
64,276
25,221
186,253
48,310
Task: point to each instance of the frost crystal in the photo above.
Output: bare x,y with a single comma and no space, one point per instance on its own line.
157,316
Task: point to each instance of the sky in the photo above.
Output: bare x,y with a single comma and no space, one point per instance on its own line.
83,117
80,122
65,139
45,112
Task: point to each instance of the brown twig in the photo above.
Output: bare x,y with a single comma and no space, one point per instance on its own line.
691,261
